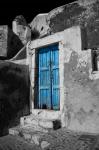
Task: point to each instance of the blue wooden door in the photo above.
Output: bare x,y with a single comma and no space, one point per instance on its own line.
55,76
48,77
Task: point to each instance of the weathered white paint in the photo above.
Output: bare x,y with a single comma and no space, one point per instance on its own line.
40,24
47,40
69,40
33,46
72,39
14,27
21,62
78,105
3,40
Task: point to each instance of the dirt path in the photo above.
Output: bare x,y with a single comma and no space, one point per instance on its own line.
56,140
15,143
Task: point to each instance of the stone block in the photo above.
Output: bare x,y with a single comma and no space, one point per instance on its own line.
13,131
34,122
46,124
27,136
22,121
35,139
44,144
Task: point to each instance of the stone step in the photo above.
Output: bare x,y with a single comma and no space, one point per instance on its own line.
46,114
32,117
29,133
43,118
27,129
37,121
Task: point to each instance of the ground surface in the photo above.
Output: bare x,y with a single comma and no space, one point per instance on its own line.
56,140
15,143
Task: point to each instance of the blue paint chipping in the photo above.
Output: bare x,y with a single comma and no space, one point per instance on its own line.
48,77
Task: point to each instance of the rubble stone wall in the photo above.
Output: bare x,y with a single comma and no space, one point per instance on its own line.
3,40
14,94
81,85
80,23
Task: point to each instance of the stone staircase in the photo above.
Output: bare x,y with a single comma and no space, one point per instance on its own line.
36,125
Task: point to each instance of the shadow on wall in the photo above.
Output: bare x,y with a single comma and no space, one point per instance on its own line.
35,34
14,94
14,44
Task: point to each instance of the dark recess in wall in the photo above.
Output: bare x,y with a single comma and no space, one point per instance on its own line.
14,94
14,44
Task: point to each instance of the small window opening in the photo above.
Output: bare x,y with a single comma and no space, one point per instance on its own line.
1,37
95,58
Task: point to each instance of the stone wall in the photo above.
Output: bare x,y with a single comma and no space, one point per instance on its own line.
81,85
21,29
83,13
14,44
81,94
3,40
39,25
10,44
79,106
14,94
79,21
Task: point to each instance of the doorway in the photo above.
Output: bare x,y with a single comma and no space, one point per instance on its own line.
48,96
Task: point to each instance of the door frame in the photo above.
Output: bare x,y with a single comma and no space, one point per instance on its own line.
31,51
50,86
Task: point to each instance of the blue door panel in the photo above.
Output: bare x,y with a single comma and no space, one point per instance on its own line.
44,78
56,98
48,77
55,79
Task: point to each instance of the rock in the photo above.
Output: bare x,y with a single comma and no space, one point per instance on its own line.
22,121
46,124
13,131
27,136
44,144
39,25
35,139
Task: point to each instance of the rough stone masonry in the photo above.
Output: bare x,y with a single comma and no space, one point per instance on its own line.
81,82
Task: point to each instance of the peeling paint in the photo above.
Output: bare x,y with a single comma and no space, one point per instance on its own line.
82,60
81,116
80,85
83,13
86,2
82,92
54,12
68,55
